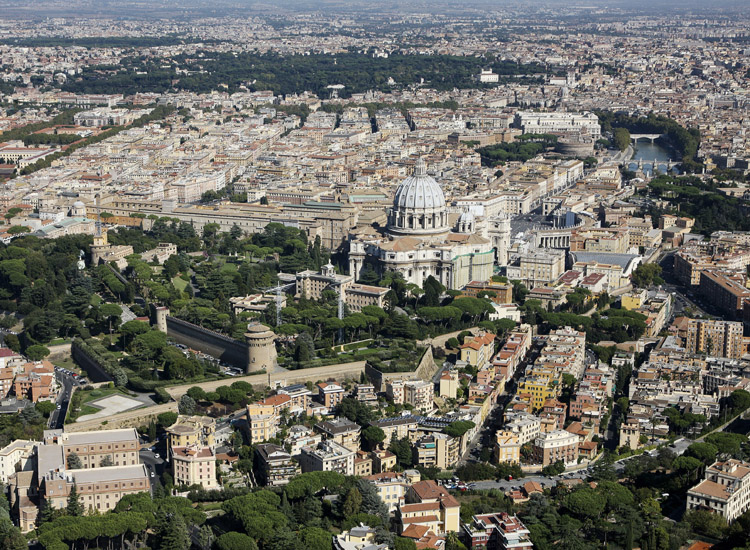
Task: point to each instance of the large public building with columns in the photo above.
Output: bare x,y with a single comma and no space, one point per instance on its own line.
420,241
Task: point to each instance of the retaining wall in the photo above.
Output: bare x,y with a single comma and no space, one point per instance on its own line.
127,419
94,371
212,343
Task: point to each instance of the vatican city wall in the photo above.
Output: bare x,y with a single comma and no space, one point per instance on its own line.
217,345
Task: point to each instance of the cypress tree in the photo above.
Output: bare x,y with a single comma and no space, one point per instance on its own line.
74,504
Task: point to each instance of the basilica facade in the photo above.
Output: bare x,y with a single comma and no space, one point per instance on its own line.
419,240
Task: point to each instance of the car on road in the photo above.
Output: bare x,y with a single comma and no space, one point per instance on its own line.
153,474
156,455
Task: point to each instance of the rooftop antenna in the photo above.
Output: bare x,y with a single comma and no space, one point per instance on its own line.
278,305
341,311
98,217
277,289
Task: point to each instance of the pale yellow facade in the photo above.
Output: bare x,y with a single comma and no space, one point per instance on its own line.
507,447
194,465
263,422
192,430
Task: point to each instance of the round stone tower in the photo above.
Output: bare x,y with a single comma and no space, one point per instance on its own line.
261,348
161,313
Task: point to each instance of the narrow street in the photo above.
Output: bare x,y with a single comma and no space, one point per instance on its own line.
67,383
485,435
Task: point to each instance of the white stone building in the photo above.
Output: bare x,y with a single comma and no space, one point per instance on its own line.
725,490
418,240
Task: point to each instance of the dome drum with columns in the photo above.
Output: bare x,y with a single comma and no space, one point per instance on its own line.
419,206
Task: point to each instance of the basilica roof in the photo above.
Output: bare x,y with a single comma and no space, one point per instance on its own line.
466,238
402,244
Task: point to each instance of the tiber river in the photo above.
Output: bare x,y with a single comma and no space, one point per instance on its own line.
651,152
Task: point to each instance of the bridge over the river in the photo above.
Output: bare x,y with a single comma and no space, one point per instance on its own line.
640,137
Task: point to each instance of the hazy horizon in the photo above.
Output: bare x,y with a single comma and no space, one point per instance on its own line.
181,8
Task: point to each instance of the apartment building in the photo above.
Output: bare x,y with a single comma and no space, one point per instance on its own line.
194,465
690,261
391,487
550,447
192,430
299,395
330,394
496,531
540,388
431,505
514,350
478,350
437,450
634,299
263,422
449,384
716,338
362,464
526,426
658,310
507,447
275,465
300,436
7,375
583,402
553,411
365,393
19,454
327,456
118,447
36,382
725,291
394,389
396,428
342,431
616,269
725,490
567,348
419,394
383,460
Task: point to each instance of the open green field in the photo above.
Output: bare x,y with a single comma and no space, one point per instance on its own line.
179,283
